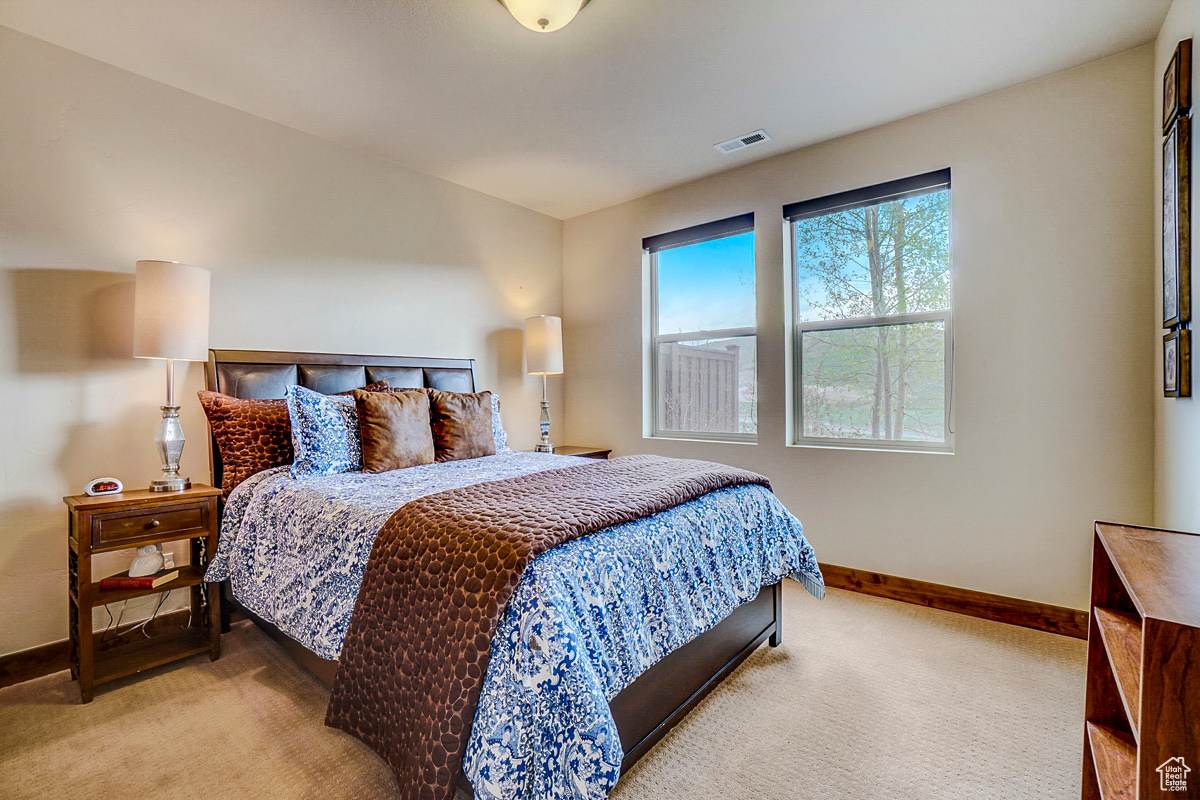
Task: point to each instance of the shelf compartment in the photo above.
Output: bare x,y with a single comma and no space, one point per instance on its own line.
188,576
1121,633
154,652
1114,756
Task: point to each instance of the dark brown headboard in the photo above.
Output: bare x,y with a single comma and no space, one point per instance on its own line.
259,374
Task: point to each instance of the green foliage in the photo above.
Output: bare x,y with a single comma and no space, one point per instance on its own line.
840,381
891,258
882,381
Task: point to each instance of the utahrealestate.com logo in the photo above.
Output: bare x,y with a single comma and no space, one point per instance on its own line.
1173,775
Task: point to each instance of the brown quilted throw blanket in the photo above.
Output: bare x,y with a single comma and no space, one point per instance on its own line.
438,580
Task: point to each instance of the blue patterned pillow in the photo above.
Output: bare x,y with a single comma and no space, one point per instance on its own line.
498,431
324,433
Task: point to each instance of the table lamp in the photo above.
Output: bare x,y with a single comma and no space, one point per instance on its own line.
544,356
170,322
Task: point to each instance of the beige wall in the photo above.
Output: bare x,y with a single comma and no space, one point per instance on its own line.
312,247
1052,248
1177,429
315,247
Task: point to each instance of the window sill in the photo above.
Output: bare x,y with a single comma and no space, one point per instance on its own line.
871,448
664,437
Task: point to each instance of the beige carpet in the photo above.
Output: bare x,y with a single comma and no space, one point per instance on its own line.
866,699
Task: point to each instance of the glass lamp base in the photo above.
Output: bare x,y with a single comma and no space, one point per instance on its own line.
544,446
170,484
170,441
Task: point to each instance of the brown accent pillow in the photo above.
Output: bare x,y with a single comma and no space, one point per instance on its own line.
395,430
462,424
252,435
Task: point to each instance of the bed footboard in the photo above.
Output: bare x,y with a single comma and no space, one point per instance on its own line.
647,709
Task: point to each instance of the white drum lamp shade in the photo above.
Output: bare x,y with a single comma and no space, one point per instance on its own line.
170,311
543,345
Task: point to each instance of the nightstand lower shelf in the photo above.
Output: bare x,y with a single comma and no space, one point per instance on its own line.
149,653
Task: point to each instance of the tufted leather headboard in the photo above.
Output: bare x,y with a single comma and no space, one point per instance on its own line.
264,374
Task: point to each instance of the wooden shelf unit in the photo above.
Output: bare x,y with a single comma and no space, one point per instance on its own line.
1142,706
128,520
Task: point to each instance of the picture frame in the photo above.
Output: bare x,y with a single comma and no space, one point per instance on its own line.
1177,84
1177,363
1176,225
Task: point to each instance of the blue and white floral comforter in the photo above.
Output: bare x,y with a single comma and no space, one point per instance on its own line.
586,619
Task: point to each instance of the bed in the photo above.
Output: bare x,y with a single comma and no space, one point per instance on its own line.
644,710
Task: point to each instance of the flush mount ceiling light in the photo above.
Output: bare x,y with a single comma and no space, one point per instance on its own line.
543,16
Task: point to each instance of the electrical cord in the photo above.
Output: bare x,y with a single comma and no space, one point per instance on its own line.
142,625
115,625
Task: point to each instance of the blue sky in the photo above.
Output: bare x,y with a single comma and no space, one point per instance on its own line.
710,285
707,286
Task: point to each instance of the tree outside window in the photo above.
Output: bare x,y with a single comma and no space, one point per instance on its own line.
872,313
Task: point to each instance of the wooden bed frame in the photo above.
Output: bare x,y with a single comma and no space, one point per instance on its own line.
646,709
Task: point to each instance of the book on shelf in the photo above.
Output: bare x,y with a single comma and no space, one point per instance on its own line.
123,581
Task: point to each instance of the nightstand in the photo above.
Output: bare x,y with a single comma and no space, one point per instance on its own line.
127,520
574,450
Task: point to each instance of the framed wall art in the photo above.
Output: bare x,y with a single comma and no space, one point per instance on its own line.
1176,225
1177,84
1177,364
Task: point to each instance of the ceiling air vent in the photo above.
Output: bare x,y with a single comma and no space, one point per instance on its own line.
743,141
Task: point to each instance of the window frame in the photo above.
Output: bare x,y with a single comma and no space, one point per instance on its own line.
926,183
654,410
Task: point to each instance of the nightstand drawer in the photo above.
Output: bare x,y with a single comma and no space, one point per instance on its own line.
140,525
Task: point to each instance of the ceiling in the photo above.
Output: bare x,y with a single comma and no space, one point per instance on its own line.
626,100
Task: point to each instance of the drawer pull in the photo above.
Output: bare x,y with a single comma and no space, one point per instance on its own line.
154,523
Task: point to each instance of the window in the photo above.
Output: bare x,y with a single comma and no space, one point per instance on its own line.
872,348
702,359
